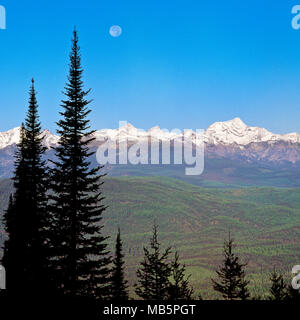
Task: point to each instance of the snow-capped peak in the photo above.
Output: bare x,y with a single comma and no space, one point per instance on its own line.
10,137
155,129
236,131
236,122
128,126
50,140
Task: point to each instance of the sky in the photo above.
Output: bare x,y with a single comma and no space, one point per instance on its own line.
178,63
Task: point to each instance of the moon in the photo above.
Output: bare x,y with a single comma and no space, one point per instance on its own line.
115,31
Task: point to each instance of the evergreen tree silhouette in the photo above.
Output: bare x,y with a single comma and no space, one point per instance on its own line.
155,271
25,254
11,247
119,284
79,250
231,282
278,290
180,288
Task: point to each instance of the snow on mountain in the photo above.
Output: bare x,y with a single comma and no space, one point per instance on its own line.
12,137
50,140
232,132
220,133
130,133
236,131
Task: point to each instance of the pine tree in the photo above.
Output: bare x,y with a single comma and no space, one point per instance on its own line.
154,273
79,251
278,290
25,257
180,288
231,282
119,284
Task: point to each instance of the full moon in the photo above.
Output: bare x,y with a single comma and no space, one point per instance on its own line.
115,31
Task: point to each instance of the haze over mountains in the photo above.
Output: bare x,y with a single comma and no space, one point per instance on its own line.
231,140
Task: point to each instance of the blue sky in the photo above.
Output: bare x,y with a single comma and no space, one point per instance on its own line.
178,64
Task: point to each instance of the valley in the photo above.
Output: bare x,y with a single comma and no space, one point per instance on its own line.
264,221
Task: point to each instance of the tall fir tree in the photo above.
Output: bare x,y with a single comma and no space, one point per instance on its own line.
155,271
231,282
180,288
80,259
25,257
278,290
119,285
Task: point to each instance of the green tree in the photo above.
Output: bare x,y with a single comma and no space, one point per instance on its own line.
180,288
25,257
79,255
230,281
154,272
278,290
119,285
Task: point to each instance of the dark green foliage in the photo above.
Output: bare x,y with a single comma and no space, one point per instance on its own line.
25,257
80,258
231,282
278,290
179,288
119,284
196,220
154,272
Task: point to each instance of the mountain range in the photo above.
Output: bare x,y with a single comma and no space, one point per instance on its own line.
226,133
231,140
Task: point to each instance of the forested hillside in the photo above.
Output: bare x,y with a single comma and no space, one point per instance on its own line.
195,220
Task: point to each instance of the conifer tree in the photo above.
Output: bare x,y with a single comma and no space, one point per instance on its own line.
278,290
154,273
80,259
231,282
25,257
119,284
179,288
